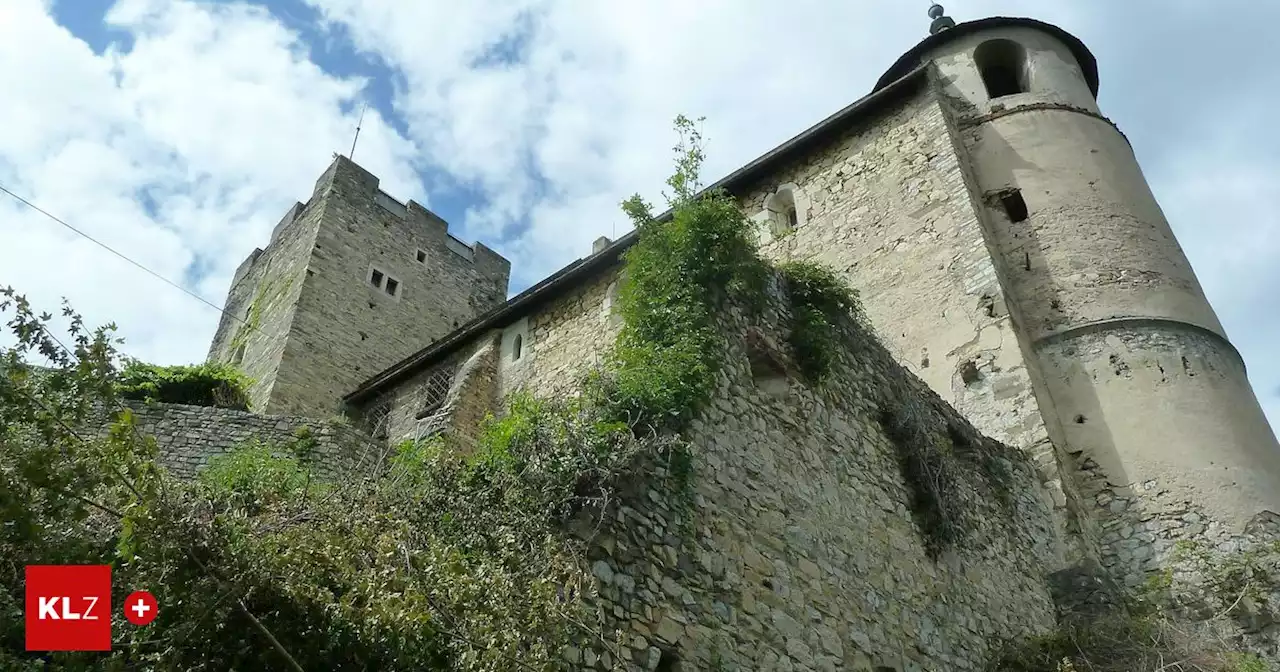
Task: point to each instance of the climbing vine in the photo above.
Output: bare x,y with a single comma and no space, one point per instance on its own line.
253,316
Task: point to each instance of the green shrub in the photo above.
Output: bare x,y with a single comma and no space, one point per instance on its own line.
208,384
820,303
678,273
254,475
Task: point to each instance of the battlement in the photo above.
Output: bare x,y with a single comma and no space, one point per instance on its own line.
359,182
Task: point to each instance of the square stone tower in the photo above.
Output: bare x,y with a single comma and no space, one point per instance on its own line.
351,282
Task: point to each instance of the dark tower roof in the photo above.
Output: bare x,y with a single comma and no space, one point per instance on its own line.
911,60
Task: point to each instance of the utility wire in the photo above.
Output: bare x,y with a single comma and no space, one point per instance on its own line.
108,248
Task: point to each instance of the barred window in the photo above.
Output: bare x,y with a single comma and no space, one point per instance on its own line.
378,421
435,391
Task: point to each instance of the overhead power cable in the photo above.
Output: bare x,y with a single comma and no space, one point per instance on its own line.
108,248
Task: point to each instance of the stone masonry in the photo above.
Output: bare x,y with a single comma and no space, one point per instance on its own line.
803,554
187,437
889,210
1011,259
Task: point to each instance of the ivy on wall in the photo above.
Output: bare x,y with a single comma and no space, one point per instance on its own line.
270,290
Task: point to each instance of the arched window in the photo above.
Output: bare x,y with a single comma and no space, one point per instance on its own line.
1003,66
238,356
610,299
786,208
517,345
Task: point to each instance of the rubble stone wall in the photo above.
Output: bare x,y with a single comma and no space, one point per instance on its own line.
796,548
188,436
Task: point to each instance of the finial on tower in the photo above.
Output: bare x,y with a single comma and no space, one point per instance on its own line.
941,22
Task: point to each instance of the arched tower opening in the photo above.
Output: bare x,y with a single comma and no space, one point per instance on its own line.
1003,66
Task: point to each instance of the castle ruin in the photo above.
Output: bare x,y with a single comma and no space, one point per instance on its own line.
1009,253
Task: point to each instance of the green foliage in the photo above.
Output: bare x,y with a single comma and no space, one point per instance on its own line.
304,443
821,303
677,275
254,476
208,384
447,562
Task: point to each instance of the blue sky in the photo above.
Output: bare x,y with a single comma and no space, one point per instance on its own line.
180,131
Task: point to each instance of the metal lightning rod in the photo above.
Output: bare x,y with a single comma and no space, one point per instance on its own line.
358,124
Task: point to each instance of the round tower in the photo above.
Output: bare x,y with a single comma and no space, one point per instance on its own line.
1133,368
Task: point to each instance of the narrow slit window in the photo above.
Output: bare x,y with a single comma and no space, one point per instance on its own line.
422,257
517,346
1003,66
793,220
1014,207
393,286
375,279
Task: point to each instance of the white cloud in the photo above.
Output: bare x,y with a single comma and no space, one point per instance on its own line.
215,112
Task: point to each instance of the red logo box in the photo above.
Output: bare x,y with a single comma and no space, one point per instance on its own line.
68,607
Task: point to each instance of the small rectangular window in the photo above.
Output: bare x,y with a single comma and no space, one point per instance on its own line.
422,257
392,286
375,279
1014,207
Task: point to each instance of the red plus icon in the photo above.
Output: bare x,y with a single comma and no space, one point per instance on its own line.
140,607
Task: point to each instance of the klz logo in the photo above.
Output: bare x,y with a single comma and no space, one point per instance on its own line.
68,607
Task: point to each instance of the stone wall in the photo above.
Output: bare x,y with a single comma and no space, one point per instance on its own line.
564,339
796,548
188,436
453,396
888,205
890,211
